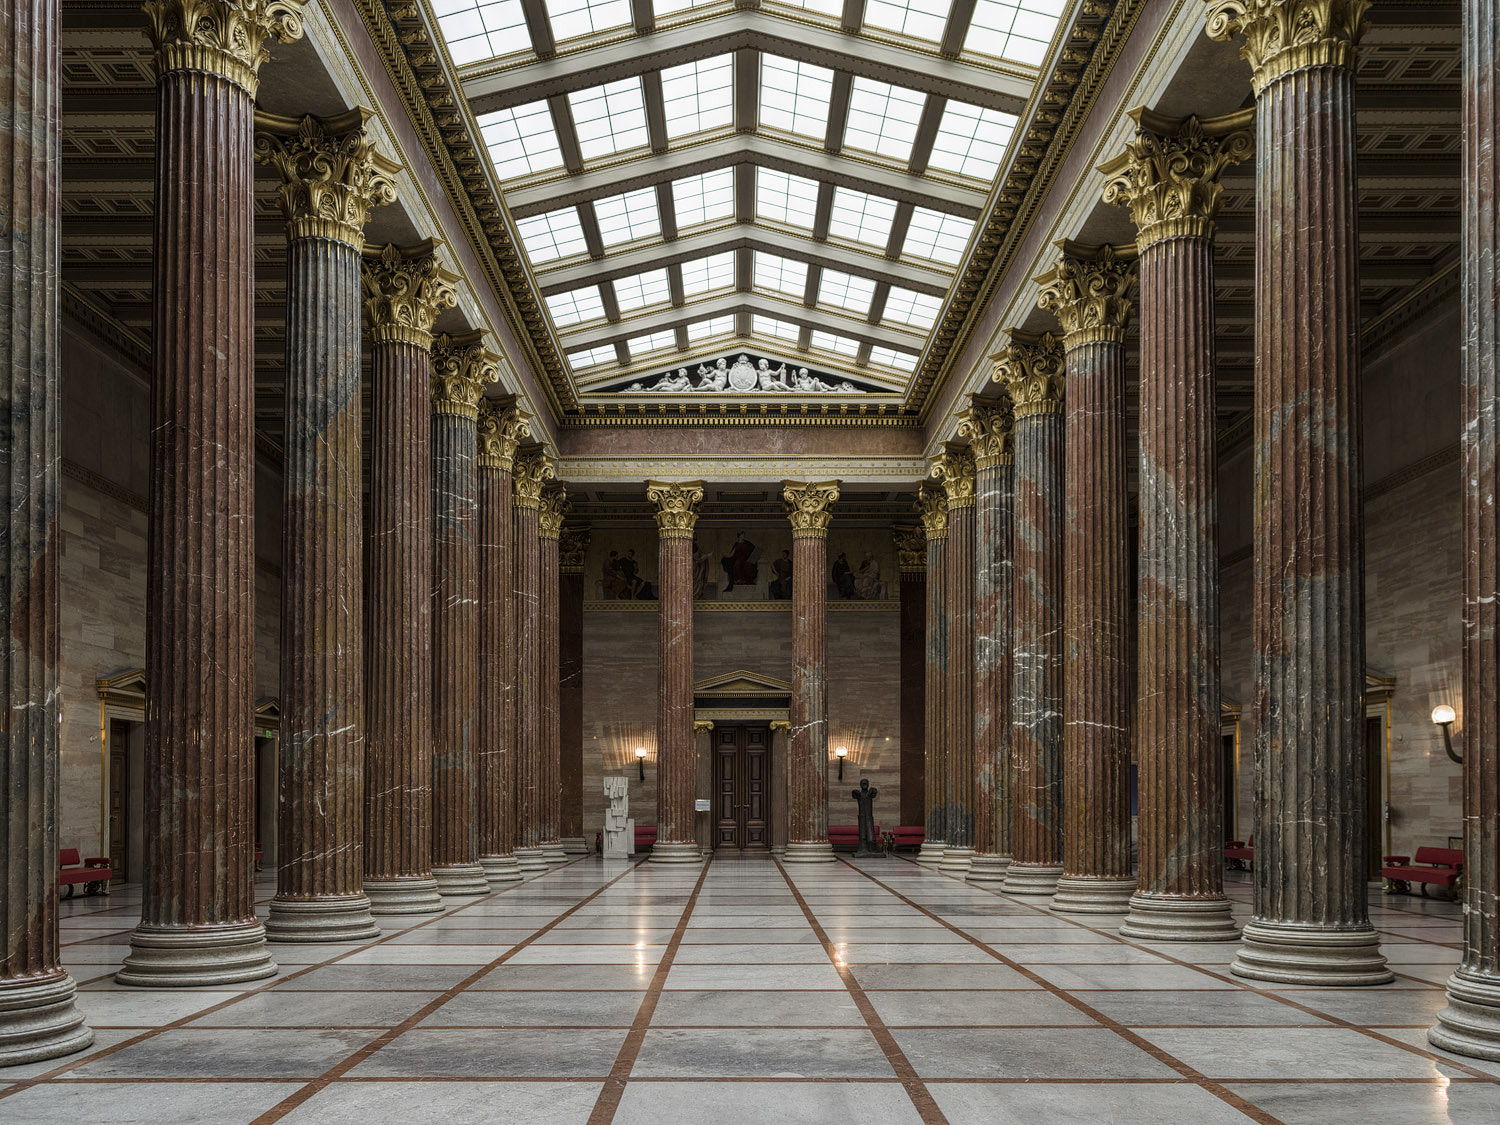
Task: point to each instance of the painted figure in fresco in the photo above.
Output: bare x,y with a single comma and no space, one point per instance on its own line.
781,577
843,576
700,572
636,587
739,564
867,579
614,578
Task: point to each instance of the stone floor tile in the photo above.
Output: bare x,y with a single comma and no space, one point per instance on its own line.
282,1008
976,1009
537,1009
1029,1053
788,1103
393,1103
796,977
495,1053
229,1053
135,1103
1230,1053
1102,1103
1409,1103
756,1008
760,1053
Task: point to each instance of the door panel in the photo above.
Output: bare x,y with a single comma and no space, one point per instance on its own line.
742,787
119,802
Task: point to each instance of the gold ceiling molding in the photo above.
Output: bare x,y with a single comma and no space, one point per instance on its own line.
690,413
640,469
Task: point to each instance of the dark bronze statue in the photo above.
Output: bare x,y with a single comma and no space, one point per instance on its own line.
865,797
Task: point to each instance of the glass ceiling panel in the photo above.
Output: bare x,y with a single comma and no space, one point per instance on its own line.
609,118
889,357
971,140
780,275
642,290
651,342
794,96
575,306
571,18
773,329
475,29
592,357
785,198
672,7
553,235
904,306
623,218
1018,30
862,218
698,95
883,118
705,198
935,235
705,275
838,345
714,326
846,291
921,18
521,140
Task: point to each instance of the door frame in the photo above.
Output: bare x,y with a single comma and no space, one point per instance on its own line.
1380,689
751,698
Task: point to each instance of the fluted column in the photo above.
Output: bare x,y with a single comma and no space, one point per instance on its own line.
331,176
571,551
198,924
932,505
988,426
531,471
955,468
1031,368
1310,921
676,513
810,508
404,292
1169,178
501,429
1086,290
1470,1024
550,517
911,561
38,1019
780,773
460,370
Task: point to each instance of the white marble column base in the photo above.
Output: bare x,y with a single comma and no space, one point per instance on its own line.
39,1021
193,956
1092,896
988,869
325,918
403,896
809,853
1155,917
1470,1024
1316,956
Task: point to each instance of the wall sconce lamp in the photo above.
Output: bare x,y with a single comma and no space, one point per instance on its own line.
1443,716
640,759
841,753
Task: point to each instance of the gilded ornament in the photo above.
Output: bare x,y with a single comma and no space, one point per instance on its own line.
932,506
571,549
331,175
1033,371
954,466
528,475
911,548
502,428
1086,290
809,506
223,37
461,368
552,510
404,292
676,506
1282,36
703,726
987,425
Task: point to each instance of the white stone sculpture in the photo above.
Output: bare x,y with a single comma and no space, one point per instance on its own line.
742,377
619,828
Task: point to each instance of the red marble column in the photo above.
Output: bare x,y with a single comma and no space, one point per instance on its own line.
955,468
330,178
809,506
988,425
911,561
1086,289
38,1019
405,290
1470,1024
198,924
1310,923
1032,370
932,504
1169,177
501,429
529,475
550,517
571,550
676,513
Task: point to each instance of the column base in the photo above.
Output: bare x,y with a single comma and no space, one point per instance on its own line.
500,868
931,851
778,850
530,860
325,918
417,895
39,1021
460,880
675,853
956,862
1470,1024
575,845
1156,917
809,853
552,852
1031,878
1077,894
1292,953
988,869
192,956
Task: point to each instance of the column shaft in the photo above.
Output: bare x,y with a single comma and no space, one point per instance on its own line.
531,471
956,468
571,551
554,509
911,551
933,507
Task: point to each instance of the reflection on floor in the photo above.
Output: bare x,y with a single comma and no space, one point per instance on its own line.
748,992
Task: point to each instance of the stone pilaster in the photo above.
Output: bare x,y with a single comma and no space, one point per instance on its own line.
988,426
461,368
1169,177
331,176
38,1019
1310,922
780,773
198,924
1032,369
810,508
932,505
550,516
954,467
1086,290
404,292
1470,1024
529,475
911,562
571,549
501,429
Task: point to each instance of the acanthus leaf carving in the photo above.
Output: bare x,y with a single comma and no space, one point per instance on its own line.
932,506
529,474
501,430
224,37
676,506
1282,36
987,425
809,506
331,173
461,369
1032,369
404,292
1086,290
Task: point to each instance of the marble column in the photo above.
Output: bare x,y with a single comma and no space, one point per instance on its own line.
955,468
1086,290
501,429
198,924
780,745
331,176
461,368
911,561
529,475
1032,370
1310,920
810,508
571,551
550,516
38,1019
676,513
1169,178
988,426
932,505
1470,1024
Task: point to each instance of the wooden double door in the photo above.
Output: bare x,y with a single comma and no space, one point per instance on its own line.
742,787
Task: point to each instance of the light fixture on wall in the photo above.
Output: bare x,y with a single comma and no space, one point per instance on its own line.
640,758
1443,716
841,753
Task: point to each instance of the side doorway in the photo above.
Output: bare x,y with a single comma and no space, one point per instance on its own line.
742,787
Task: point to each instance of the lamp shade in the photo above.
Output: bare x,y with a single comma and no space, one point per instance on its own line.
640,751
1442,713
842,751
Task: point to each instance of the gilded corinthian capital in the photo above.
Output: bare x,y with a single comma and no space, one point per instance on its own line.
676,506
461,368
932,506
1168,176
911,548
552,510
572,547
331,175
809,507
1282,36
223,37
404,292
1086,290
528,476
1032,370
501,430
954,466
987,425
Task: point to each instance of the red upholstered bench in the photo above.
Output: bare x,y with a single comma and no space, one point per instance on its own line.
1442,866
1239,854
847,835
95,873
908,835
645,836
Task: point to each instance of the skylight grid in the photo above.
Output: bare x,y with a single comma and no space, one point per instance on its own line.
672,7
832,342
651,342
575,306
705,275
1018,30
592,357
556,234
883,118
780,275
774,329
845,291
704,198
889,357
572,18
698,96
923,19
521,140
971,140
641,290
937,236
906,306
794,96
785,198
713,326
862,218
475,30
623,218
609,118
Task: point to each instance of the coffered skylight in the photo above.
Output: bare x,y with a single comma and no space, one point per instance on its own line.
705,198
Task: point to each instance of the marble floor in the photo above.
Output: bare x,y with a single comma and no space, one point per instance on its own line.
744,991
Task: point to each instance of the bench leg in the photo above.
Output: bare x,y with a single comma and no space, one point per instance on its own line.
67,892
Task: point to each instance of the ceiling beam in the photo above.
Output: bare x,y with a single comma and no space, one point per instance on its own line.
852,18
957,28
539,27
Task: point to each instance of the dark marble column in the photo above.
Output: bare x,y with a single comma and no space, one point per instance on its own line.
571,549
1086,290
810,508
988,426
1169,178
1032,370
932,504
955,468
553,511
501,429
331,176
404,292
911,561
1310,922
529,475
676,778
461,368
38,1019
1470,1024
198,924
